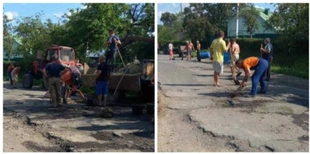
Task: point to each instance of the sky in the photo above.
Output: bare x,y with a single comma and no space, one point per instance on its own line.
53,11
176,7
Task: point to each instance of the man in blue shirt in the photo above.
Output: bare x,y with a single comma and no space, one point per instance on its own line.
112,42
52,71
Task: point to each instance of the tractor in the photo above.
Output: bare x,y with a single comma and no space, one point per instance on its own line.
64,54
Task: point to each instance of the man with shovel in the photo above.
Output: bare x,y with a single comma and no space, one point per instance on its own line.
110,54
260,66
234,56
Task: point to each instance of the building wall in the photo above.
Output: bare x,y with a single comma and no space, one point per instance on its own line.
231,28
15,46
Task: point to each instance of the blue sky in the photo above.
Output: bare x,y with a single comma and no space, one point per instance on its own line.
176,7
54,11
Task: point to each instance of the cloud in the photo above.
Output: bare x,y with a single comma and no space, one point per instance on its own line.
185,5
69,14
11,15
175,5
59,14
259,7
83,7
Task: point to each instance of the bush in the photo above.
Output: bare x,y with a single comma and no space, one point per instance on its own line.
287,60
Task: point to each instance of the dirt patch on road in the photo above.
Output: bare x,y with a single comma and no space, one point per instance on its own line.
161,105
301,120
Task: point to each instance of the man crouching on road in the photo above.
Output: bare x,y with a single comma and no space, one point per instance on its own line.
52,71
101,80
260,66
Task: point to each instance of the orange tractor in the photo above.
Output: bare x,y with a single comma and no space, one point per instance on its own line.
71,76
64,54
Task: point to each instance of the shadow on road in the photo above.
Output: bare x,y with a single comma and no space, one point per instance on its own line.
198,85
217,94
203,75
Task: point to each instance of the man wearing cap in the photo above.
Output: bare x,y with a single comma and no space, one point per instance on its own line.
112,42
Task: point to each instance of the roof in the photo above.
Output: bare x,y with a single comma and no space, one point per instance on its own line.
263,14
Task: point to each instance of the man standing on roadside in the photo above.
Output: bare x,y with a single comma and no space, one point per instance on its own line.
112,42
10,68
190,49
267,54
102,81
234,53
198,46
218,47
170,51
14,75
52,71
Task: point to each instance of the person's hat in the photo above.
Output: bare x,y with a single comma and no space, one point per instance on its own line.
198,41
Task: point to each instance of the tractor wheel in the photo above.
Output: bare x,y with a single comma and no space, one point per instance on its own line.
27,81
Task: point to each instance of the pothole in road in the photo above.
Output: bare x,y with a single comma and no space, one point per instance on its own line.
39,148
236,103
304,138
301,120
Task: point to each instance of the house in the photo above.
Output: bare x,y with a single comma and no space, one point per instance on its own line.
16,44
261,32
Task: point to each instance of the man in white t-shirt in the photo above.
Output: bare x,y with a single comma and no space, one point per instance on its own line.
170,51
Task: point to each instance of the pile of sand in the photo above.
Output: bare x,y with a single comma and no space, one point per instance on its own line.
131,68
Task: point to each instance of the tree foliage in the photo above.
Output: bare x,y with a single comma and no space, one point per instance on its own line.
8,39
205,19
87,29
291,20
168,19
170,34
250,16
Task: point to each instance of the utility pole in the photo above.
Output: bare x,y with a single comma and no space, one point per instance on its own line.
237,22
181,7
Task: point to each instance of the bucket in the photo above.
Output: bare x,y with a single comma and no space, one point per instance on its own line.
226,57
204,55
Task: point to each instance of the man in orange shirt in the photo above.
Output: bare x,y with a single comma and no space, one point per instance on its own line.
260,66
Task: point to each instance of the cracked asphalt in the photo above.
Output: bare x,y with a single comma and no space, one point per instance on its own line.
31,124
195,116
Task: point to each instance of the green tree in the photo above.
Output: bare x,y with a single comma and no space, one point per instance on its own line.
34,35
291,21
168,18
8,39
167,34
250,15
8,46
203,20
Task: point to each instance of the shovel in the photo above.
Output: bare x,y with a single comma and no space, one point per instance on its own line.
236,92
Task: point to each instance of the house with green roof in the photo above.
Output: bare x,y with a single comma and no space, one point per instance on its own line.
261,32
16,44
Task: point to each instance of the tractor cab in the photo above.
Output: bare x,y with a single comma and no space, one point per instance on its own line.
64,54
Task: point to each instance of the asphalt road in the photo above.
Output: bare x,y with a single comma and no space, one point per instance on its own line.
195,116
31,124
